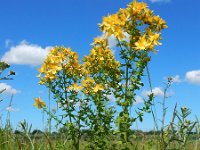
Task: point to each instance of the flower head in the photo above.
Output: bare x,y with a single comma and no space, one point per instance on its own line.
142,43
75,87
39,103
98,87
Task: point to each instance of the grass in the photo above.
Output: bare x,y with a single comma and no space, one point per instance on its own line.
38,140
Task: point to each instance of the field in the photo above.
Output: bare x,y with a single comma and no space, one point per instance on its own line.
38,140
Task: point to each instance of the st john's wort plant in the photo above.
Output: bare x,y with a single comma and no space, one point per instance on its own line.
82,90
137,31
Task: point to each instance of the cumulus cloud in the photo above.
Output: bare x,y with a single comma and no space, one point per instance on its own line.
193,76
26,54
157,91
111,97
176,79
8,89
138,99
112,41
156,1
11,109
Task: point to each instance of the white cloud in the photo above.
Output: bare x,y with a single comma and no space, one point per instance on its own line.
26,54
139,100
111,97
176,79
112,41
8,89
157,91
193,77
11,109
156,1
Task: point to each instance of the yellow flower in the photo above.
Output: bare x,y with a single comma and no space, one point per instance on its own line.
101,58
75,87
137,7
160,23
147,16
98,40
87,82
74,55
118,33
93,52
113,24
42,69
154,38
98,87
142,43
42,81
50,75
123,15
39,103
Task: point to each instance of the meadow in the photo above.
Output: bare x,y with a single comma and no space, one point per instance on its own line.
82,90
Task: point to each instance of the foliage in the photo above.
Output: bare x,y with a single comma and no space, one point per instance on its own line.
3,67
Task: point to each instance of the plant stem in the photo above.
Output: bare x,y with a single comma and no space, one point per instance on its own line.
154,114
49,98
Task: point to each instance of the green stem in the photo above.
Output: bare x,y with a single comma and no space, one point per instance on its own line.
125,108
66,95
49,98
153,111
27,135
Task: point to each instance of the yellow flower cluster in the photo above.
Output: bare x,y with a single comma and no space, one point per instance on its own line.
113,24
63,59
137,14
59,58
88,85
147,41
100,58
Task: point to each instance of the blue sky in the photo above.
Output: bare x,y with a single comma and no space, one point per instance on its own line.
28,28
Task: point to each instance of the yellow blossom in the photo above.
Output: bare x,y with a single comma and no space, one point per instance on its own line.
98,87
50,76
159,22
142,43
101,58
42,69
112,24
74,55
75,87
137,7
87,82
39,103
93,52
98,40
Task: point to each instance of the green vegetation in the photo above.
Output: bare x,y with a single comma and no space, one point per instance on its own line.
38,140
